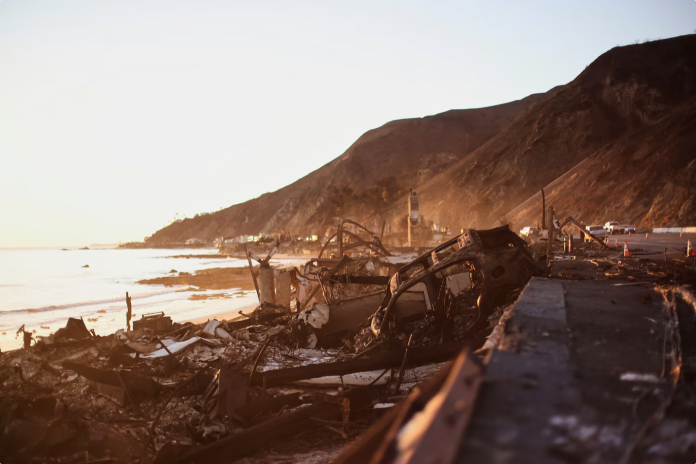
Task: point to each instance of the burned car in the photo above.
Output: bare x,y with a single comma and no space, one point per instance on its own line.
451,293
456,287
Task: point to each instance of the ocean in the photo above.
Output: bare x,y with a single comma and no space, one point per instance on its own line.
43,287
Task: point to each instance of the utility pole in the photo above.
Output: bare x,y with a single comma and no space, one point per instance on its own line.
543,209
549,226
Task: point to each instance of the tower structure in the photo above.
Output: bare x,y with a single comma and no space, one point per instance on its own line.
414,218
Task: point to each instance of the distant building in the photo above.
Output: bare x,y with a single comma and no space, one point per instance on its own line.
194,241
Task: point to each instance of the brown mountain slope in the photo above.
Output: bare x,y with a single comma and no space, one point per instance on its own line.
378,168
646,179
472,169
621,92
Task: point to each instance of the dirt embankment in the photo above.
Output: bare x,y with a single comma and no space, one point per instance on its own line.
646,179
219,278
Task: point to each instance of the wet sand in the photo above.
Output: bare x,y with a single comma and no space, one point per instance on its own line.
228,316
237,280
219,278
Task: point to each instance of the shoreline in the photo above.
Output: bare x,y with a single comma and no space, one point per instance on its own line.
226,316
96,294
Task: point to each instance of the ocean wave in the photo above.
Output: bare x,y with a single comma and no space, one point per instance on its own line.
136,296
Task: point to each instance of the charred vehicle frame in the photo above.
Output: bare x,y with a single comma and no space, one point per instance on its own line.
483,267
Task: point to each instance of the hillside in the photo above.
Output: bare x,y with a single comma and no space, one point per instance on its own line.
646,179
373,172
622,93
474,167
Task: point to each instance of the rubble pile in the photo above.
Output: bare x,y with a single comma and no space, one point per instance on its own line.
333,349
324,361
124,396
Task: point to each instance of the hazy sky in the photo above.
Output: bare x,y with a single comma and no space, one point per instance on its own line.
115,115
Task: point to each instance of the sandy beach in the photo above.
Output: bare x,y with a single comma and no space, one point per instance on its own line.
228,316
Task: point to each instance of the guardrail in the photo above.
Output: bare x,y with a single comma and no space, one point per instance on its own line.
674,230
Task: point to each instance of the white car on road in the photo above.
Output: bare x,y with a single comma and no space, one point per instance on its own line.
597,231
614,227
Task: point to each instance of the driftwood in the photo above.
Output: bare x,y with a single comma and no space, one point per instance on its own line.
129,313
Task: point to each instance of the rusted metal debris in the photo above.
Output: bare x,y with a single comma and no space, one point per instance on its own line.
458,284
253,275
572,220
389,359
118,385
265,286
365,448
330,322
354,240
433,434
157,322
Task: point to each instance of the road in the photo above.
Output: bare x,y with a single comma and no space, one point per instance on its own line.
656,243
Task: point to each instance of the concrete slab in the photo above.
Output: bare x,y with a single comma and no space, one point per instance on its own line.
527,382
575,359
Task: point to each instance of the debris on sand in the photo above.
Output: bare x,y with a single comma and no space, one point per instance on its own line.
387,359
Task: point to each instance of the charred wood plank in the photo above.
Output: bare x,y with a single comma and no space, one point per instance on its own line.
443,429
249,440
132,381
251,269
365,447
269,404
258,359
400,378
418,355
585,231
